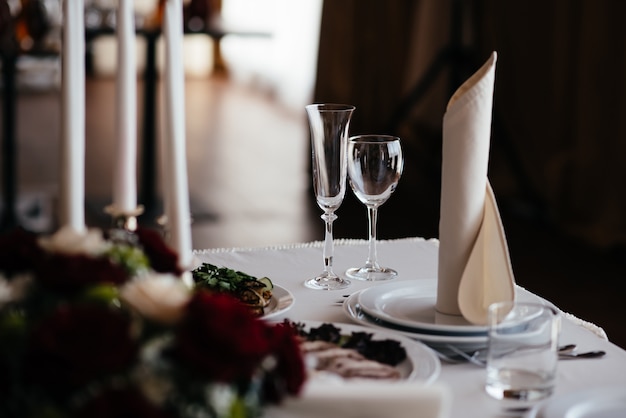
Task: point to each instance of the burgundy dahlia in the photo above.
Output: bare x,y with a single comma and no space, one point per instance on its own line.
220,338
162,258
73,272
289,374
18,251
78,344
120,403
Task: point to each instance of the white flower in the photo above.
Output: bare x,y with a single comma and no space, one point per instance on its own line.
154,384
161,297
14,289
221,397
69,241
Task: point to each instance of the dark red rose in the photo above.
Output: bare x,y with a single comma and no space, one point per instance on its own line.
220,338
289,374
120,403
18,252
77,344
72,272
162,258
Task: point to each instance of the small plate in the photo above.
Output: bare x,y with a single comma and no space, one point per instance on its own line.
606,402
411,304
281,301
421,364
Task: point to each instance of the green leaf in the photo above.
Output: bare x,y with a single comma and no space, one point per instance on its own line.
238,409
133,259
104,293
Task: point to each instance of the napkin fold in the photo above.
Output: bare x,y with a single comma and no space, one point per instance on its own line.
474,263
366,400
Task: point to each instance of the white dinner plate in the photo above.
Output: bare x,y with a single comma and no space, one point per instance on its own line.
411,304
467,343
605,402
281,301
421,363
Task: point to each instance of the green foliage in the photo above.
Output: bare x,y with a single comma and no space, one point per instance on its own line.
131,257
226,279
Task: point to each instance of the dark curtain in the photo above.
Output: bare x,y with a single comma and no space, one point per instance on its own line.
559,139
363,55
560,103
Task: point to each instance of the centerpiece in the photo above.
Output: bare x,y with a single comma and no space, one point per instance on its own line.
102,324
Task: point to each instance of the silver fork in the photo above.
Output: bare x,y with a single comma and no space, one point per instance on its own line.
565,352
474,358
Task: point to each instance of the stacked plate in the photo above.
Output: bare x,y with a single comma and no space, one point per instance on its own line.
408,307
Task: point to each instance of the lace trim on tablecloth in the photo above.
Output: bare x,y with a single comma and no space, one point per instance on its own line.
312,244
587,325
597,330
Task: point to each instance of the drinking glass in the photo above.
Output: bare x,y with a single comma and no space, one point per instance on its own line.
375,165
329,125
522,351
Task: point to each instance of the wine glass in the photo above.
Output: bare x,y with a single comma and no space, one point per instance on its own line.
329,125
375,165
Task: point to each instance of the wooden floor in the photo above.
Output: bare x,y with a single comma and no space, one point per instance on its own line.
249,186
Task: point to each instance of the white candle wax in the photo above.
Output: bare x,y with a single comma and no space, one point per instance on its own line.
173,139
124,169
72,202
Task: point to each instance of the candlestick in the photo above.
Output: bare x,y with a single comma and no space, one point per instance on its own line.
124,169
72,210
126,219
173,138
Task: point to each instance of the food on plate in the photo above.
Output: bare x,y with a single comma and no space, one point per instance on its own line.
364,369
356,355
254,292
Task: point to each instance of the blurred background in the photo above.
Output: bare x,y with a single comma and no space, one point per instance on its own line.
557,149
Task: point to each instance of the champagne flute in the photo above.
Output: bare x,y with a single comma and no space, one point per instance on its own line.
375,165
329,125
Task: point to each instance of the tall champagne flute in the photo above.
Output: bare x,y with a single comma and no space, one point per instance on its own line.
329,125
375,165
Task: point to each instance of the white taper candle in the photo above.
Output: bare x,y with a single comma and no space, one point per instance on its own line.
125,160
173,139
72,203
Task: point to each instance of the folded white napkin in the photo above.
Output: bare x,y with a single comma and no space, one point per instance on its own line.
366,400
474,264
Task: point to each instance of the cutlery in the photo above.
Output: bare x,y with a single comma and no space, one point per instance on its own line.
458,358
461,356
587,354
340,302
565,352
568,348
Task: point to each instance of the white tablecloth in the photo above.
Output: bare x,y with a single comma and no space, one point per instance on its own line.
413,258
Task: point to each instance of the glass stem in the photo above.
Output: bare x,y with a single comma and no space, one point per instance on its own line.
372,215
328,218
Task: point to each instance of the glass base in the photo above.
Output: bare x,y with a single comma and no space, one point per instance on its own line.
517,384
326,281
520,394
369,273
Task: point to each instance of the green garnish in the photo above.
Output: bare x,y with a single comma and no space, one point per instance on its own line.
226,279
254,292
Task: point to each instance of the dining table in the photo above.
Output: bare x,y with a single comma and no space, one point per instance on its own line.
416,260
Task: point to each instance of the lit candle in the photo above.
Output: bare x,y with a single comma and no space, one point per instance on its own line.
72,210
173,138
124,169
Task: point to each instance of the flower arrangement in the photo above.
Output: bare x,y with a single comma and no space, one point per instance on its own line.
105,326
